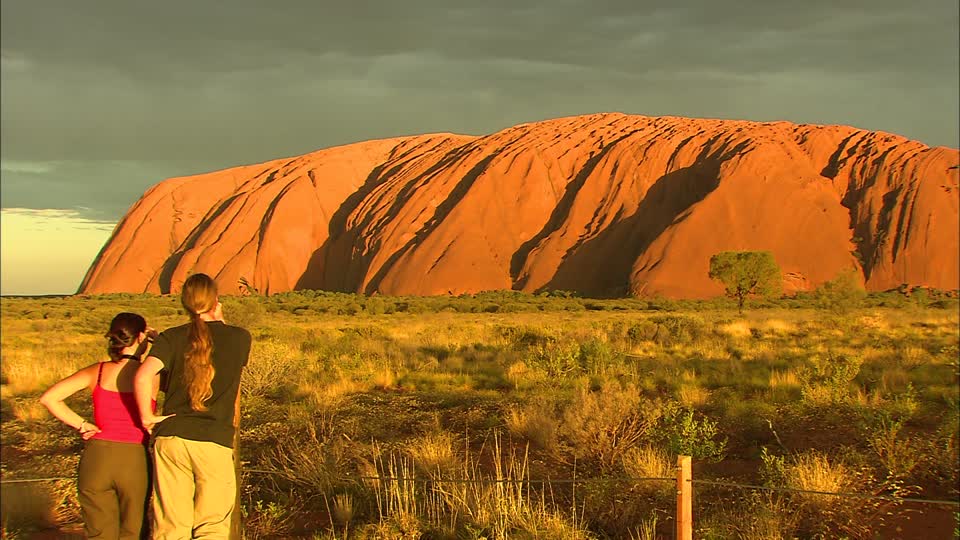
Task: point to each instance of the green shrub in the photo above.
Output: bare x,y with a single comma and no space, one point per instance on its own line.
642,331
245,312
596,355
827,378
678,329
842,293
557,358
698,438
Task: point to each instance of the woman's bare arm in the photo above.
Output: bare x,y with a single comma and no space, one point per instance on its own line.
53,400
145,390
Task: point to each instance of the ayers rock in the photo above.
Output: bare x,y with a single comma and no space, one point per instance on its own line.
604,205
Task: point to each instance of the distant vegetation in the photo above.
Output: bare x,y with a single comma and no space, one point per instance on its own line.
834,390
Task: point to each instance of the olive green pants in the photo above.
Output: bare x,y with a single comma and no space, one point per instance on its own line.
113,486
195,488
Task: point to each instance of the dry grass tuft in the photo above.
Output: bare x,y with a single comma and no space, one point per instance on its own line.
517,372
649,462
433,452
912,356
342,509
536,423
784,379
507,508
894,380
813,471
779,326
453,363
872,399
737,329
647,530
693,396
385,379
398,501
308,459
769,518
322,394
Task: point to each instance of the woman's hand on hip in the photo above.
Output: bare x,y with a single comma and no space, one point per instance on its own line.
149,422
88,430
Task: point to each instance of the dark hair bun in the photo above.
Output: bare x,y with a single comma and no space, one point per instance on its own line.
124,329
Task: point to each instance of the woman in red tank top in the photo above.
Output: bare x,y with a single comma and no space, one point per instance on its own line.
113,481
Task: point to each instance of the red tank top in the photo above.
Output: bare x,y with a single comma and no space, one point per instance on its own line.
115,413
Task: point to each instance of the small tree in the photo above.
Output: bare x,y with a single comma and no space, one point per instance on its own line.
842,293
745,273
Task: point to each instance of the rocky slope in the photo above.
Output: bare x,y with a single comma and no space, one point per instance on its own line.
606,204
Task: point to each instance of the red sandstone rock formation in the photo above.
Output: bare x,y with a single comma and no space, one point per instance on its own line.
606,204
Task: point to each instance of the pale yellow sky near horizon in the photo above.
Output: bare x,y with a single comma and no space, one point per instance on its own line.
47,251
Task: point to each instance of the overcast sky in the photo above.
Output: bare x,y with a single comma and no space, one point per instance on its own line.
102,99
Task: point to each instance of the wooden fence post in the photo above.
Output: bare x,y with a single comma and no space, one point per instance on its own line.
684,499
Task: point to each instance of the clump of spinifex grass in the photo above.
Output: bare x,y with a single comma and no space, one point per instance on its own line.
501,502
814,472
647,462
537,423
434,453
692,395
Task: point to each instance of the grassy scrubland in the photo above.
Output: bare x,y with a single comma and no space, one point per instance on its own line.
345,395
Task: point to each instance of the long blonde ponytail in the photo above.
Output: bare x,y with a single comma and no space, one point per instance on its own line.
199,295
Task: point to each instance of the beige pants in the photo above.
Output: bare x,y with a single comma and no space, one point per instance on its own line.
194,489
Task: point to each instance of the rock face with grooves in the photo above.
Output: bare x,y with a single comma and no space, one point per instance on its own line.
604,205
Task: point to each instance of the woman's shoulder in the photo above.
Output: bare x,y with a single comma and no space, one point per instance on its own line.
95,367
91,373
178,328
175,331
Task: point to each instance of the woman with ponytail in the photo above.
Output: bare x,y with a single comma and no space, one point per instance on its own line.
113,479
194,478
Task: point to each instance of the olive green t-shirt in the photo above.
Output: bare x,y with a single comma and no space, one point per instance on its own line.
231,349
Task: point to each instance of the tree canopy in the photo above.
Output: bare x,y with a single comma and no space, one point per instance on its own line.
746,273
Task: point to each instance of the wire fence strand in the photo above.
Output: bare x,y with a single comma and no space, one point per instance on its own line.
621,479
31,480
487,480
830,493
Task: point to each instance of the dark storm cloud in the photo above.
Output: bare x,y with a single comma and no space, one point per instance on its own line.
117,92
151,40
100,190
